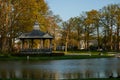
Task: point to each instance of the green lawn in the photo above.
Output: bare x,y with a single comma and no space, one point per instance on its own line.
68,55
69,79
53,57
98,79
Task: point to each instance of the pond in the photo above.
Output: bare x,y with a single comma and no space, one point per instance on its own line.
61,69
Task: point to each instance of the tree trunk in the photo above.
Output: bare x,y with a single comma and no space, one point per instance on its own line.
78,44
98,37
85,38
78,40
54,45
66,43
105,40
4,44
117,35
111,38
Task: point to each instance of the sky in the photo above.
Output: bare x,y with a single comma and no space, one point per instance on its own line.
72,8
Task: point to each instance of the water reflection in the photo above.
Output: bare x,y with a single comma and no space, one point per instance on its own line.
60,69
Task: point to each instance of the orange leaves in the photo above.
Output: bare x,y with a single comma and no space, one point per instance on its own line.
92,17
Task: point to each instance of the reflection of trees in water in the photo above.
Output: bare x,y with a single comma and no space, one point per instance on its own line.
12,74
118,72
89,73
108,73
75,75
46,74
3,73
7,74
112,73
78,75
28,74
38,74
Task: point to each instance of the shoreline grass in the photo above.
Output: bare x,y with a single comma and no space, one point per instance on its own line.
58,56
65,79
65,57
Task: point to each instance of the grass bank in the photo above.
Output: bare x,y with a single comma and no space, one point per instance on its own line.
65,57
97,79
68,79
58,56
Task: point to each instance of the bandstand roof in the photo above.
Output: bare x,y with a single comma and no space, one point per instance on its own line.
36,34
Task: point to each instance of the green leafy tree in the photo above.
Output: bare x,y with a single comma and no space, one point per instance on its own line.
117,28
65,34
67,28
89,27
53,27
77,23
94,17
18,16
108,20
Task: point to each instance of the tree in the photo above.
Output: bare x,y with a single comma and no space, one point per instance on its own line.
117,16
66,32
18,16
94,17
77,23
54,22
108,20
89,26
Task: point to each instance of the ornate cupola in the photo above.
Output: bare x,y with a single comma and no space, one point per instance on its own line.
36,26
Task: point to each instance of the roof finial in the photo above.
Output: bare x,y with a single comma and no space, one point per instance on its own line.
36,24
